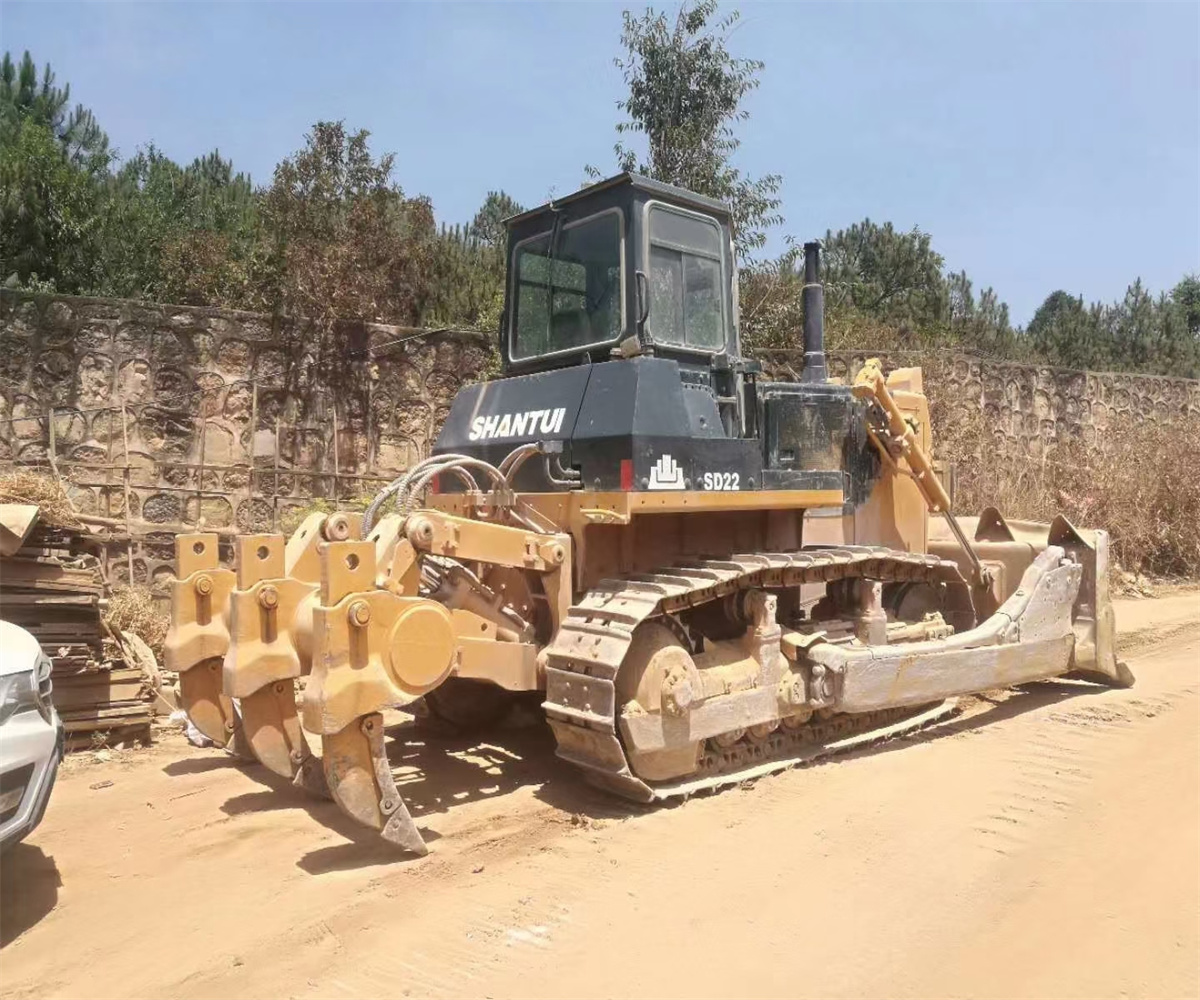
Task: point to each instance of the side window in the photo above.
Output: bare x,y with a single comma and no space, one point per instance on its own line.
686,298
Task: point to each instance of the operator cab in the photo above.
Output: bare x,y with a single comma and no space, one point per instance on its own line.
622,360
626,267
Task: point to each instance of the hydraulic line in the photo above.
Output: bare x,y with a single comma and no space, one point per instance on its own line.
416,478
517,457
407,502
396,484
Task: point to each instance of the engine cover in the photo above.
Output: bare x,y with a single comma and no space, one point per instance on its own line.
631,424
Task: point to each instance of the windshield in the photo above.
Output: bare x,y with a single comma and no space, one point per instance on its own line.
572,298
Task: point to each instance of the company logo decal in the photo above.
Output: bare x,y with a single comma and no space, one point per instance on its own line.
514,425
666,474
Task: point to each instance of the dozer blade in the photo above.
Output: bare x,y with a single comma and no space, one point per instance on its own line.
360,780
1007,548
1092,617
1033,635
272,729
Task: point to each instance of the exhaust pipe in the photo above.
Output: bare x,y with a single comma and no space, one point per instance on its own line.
814,316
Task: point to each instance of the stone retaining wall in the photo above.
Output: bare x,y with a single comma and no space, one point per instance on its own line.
1029,409
177,418
172,418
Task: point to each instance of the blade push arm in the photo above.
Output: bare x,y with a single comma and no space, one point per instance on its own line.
895,439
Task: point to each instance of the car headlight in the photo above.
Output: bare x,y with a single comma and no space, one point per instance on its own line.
18,693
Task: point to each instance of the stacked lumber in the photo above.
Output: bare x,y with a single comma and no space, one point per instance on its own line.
52,587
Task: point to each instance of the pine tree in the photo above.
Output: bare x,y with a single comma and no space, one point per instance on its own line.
25,97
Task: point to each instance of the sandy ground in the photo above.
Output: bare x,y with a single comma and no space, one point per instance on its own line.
1044,843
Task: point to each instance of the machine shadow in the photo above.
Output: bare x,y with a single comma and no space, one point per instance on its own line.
1011,703
437,771
214,760
434,771
31,882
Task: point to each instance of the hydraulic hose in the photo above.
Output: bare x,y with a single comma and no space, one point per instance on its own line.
416,479
407,502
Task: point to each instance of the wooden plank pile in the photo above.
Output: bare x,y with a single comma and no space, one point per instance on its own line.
53,588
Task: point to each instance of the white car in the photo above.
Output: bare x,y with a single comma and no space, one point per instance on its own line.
31,734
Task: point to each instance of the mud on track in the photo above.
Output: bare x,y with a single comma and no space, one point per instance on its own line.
1042,843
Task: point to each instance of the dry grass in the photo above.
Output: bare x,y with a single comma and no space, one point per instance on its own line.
1140,482
50,495
292,519
133,609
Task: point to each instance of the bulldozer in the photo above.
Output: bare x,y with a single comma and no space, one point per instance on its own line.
703,575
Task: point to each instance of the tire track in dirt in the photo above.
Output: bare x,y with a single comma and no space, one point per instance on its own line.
1104,901
1062,755
1047,772
492,939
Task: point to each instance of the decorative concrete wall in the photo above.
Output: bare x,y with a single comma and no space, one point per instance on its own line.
175,418
1029,409
170,418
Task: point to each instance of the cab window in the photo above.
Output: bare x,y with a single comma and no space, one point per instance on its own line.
686,300
571,298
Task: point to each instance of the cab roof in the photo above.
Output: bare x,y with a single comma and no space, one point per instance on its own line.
636,182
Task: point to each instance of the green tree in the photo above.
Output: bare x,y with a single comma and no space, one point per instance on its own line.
685,96
1186,298
342,242
469,268
48,228
52,160
488,224
212,255
179,234
1066,332
1159,335
26,97
886,274
1133,329
981,324
467,277
884,289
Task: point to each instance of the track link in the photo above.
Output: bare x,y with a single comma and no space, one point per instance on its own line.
587,653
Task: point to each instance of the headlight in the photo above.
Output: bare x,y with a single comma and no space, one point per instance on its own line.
18,693
41,675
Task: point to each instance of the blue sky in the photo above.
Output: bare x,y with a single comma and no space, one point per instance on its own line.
1044,146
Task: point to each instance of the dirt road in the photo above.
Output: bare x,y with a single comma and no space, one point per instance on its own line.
1044,843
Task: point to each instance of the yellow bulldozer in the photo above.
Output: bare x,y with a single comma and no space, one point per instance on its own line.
707,576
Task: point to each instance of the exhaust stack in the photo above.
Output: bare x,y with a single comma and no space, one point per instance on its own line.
814,316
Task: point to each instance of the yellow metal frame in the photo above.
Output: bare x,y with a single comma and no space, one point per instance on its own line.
594,507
